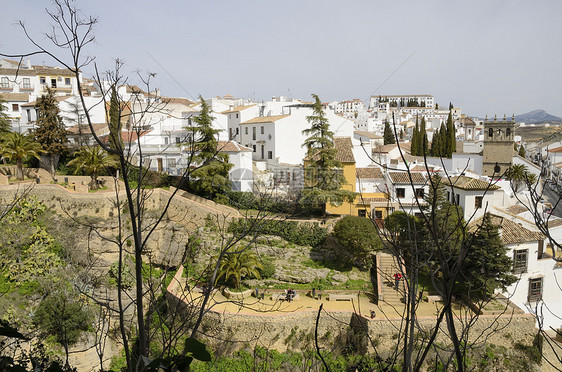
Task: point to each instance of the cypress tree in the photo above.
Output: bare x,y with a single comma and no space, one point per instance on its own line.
451,140
115,126
521,151
388,134
423,144
415,140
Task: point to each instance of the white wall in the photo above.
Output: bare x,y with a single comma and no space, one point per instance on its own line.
552,292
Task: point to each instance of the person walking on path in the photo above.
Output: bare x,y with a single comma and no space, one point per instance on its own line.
397,278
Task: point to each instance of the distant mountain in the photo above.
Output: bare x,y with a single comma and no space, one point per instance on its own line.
536,116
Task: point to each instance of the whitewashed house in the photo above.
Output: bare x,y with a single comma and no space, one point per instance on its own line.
407,192
538,290
279,138
475,196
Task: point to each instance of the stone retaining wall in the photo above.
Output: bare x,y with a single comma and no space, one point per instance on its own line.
102,204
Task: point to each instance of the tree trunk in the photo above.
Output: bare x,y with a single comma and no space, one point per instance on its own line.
19,170
53,160
94,181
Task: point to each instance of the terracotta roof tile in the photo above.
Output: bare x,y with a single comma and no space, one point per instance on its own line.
265,119
511,232
47,70
384,149
231,146
403,178
369,173
516,209
16,97
468,183
13,71
367,134
344,149
237,109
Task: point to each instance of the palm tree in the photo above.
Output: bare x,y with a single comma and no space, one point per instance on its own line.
19,147
517,173
92,160
234,267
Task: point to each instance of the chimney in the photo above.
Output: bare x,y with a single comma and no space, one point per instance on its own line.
29,63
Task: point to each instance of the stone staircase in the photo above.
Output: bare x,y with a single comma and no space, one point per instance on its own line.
387,268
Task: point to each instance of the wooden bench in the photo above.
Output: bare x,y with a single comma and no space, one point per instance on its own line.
342,297
283,296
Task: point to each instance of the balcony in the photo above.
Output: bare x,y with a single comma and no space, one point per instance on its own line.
27,88
6,86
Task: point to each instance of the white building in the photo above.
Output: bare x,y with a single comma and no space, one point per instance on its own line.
279,138
407,191
537,291
475,196
423,100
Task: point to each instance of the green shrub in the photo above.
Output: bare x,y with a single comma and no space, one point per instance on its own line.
299,233
268,268
359,238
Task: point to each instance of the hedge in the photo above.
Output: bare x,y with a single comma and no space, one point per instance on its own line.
305,233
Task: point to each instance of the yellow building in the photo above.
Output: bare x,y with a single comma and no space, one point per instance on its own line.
369,202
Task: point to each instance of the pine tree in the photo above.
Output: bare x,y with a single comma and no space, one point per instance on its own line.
211,176
323,172
388,134
487,267
115,125
50,131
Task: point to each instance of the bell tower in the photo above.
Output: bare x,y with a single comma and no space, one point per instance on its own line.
498,146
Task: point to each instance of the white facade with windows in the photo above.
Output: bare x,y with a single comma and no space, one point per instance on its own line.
279,138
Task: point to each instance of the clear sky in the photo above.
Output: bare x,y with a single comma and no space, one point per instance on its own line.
486,56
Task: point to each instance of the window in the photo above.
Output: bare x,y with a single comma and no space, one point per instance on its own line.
491,132
166,140
15,107
419,193
262,130
66,81
270,154
4,83
171,163
28,112
53,83
508,132
520,261
457,199
478,202
535,289
254,148
254,133
378,214
26,83
400,192
42,80
262,151
178,139
236,116
237,130
362,213
246,130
